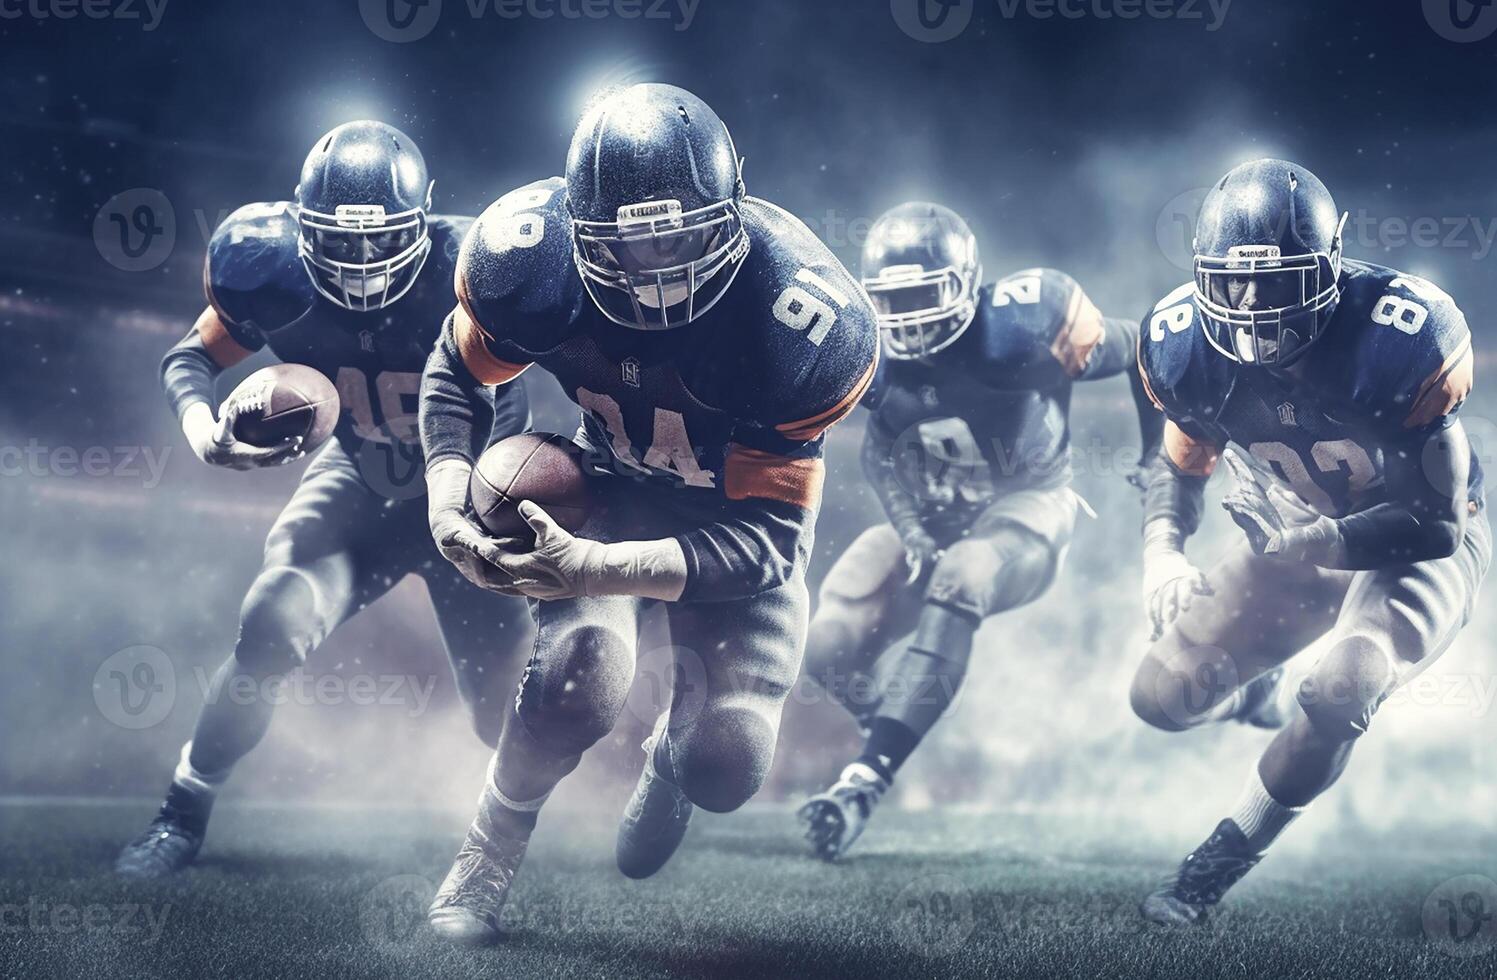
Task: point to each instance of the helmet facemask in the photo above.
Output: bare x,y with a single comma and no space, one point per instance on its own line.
1294,297
920,311
361,258
657,267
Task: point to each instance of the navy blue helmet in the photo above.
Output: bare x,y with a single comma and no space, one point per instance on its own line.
362,212
653,189
1268,262
921,271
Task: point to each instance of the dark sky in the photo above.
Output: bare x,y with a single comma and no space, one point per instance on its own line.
1076,142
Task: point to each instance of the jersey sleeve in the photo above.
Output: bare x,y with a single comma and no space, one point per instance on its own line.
1040,329
516,286
1414,367
254,280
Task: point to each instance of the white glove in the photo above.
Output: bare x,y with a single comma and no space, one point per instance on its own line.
213,442
564,566
461,541
1171,582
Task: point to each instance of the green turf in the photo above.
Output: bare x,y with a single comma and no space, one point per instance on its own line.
338,892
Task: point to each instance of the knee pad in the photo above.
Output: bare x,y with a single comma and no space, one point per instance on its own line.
1178,685
1347,686
573,691
723,759
279,624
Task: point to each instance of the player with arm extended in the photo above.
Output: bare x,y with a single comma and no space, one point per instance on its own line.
353,279
968,449
710,340
1360,499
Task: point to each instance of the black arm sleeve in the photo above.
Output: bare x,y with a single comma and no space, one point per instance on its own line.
457,410
901,507
188,374
1174,496
1425,518
753,548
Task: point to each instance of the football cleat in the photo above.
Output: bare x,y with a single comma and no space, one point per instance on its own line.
836,818
1187,897
172,840
467,906
1268,701
655,821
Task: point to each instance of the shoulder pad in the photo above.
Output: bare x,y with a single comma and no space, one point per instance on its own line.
1178,367
808,332
1031,323
515,275
1404,345
253,275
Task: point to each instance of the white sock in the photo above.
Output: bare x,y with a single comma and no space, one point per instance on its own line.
1261,817
200,783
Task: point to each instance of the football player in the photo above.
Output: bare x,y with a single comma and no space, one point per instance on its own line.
352,278
968,449
710,340
1337,384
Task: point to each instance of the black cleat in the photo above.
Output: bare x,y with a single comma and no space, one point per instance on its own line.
172,840
656,818
1186,898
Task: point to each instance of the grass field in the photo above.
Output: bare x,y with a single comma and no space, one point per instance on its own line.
330,892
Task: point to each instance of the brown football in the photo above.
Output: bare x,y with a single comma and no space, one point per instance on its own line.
282,401
537,466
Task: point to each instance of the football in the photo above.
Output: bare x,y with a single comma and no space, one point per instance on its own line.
283,401
535,466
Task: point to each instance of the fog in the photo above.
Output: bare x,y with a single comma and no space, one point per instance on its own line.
1078,144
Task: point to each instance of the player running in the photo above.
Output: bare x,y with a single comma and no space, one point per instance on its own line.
1359,497
968,449
710,340
352,279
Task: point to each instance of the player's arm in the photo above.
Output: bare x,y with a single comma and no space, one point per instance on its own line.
1114,354
900,506
189,374
456,415
1174,499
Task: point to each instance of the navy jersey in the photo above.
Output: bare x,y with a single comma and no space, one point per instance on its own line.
991,412
730,406
1393,365
257,284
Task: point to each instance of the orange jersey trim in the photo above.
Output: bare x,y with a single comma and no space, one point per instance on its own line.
1191,456
1143,373
1445,389
807,429
1082,332
754,473
217,341
473,346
